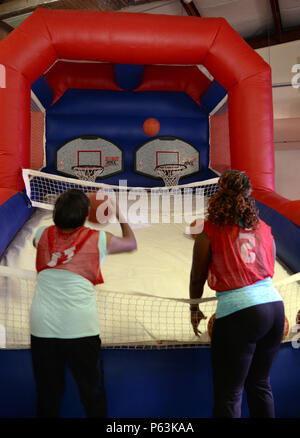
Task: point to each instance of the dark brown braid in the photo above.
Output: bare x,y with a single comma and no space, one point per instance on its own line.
233,201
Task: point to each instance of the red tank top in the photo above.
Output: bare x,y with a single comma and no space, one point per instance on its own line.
240,256
77,252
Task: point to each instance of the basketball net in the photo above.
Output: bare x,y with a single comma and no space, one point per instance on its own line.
170,173
88,173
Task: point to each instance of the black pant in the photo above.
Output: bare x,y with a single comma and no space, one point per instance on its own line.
244,345
83,356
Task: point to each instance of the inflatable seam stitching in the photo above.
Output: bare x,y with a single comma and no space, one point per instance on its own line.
214,39
41,19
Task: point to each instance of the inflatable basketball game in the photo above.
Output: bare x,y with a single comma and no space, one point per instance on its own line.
120,96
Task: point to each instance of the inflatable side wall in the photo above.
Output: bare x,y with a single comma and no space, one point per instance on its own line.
143,39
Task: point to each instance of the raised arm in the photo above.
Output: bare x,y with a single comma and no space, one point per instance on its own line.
126,243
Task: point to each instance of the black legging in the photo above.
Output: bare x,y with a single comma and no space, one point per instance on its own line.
83,355
244,345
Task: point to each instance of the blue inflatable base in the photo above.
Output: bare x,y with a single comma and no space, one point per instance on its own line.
13,214
147,384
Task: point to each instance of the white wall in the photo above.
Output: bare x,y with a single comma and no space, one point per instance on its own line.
287,173
286,104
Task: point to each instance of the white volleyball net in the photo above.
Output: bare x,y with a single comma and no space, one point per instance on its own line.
128,319
43,188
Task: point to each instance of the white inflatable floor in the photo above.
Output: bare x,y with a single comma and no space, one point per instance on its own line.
160,266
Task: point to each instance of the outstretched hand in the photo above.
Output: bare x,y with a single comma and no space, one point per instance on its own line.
196,317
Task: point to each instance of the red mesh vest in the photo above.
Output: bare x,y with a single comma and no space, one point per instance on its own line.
240,256
77,252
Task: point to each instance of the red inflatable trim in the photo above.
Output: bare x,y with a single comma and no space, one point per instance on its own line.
64,75
142,39
176,78
5,194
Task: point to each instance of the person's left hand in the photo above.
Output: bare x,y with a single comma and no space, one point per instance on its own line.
196,316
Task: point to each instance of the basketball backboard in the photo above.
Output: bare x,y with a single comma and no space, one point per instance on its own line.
166,150
89,151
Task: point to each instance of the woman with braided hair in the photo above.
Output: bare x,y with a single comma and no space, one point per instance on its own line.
235,253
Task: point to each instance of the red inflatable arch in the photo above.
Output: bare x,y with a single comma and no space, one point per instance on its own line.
49,35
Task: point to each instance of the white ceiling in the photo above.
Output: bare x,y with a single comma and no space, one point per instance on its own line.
249,18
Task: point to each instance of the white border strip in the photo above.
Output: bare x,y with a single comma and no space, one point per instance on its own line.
219,105
25,174
37,102
32,173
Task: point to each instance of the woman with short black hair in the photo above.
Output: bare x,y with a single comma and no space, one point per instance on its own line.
235,253
64,318
71,209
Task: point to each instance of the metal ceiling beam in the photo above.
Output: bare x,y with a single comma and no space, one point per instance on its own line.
271,40
280,35
190,8
5,29
276,18
14,8
19,7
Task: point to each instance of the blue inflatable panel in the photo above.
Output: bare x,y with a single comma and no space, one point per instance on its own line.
127,103
286,234
212,96
13,214
63,128
147,384
43,91
119,117
127,76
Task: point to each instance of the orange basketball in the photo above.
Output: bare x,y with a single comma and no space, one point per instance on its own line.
94,204
151,126
210,324
196,227
286,327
